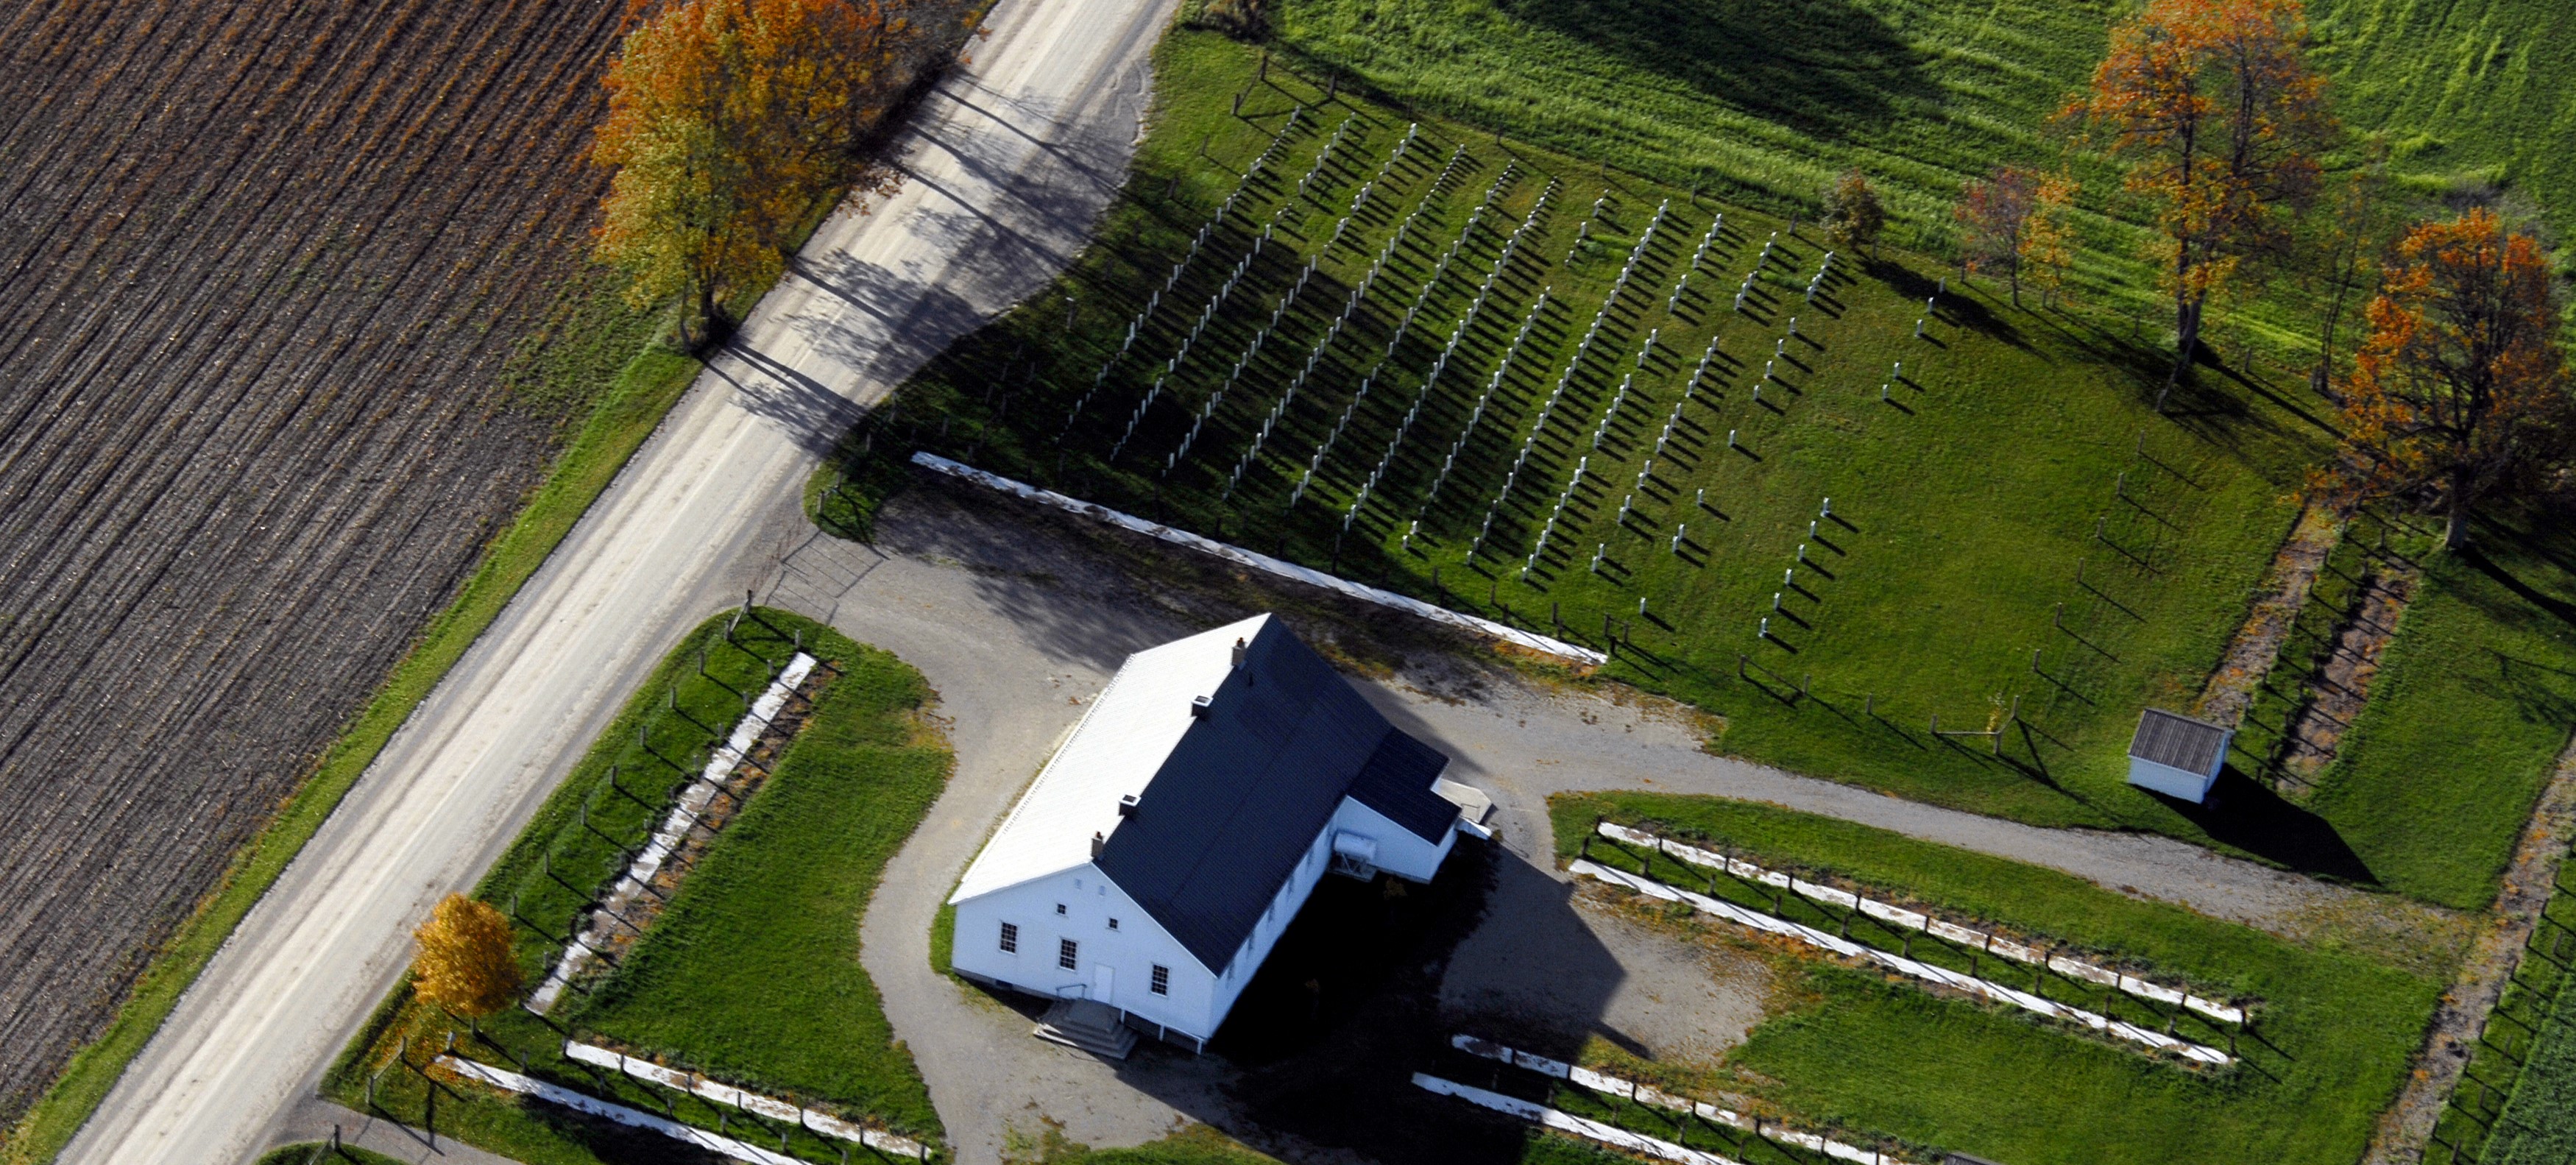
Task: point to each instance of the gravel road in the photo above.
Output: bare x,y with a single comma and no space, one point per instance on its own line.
1009,164
1017,624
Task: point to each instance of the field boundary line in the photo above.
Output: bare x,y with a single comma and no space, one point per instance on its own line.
1265,563
651,383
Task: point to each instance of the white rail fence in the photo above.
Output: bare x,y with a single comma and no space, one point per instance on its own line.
1940,976
583,1102
1266,564
1624,1089
1899,916
1608,1134
721,1093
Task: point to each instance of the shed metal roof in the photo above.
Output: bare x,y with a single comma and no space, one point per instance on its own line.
2178,741
1226,803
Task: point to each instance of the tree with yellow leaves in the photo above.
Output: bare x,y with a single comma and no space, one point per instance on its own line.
465,964
2048,240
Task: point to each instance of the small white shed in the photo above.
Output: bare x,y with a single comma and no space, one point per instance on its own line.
2176,755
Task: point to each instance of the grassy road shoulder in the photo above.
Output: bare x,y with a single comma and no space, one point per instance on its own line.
751,972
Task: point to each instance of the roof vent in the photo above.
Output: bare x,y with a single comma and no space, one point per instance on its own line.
1127,805
1099,842
1239,649
1199,706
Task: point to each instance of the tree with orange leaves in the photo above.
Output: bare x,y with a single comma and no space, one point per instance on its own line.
2460,389
730,120
2216,106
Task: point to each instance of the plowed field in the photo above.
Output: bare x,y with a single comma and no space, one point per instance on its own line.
261,265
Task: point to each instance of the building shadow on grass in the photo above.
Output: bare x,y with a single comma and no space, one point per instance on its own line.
2243,813
616,1144
1824,68
1347,1008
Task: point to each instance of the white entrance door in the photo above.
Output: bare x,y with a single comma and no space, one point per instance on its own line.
1103,980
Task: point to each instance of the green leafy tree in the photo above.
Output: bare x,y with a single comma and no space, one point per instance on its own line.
1853,216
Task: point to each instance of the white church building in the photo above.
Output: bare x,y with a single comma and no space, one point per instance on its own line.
1149,868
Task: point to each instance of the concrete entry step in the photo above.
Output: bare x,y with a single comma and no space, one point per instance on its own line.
1087,1024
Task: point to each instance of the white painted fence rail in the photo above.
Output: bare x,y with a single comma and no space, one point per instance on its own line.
692,801
632,1118
1266,564
726,1094
1540,1114
1942,976
1979,940
1609,1085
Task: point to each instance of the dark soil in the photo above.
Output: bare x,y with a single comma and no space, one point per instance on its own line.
263,265
2341,684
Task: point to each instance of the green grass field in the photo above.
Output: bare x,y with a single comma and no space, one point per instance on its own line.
1765,100
2537,1126
1762,101
2016,449
2470,711
2332,1031
2467,92
2516,1100
753,974
860,772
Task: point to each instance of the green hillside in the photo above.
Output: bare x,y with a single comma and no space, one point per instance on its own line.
2464,89
1761,101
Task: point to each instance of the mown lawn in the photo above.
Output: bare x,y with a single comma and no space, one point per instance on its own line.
2017,542
795,866
2467,717
1761,100
752,975
2329,1043
2470,90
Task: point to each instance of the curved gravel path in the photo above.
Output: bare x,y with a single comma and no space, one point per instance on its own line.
1016,624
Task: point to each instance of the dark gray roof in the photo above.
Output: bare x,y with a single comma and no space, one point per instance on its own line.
2178,741
1396,781
1241,797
